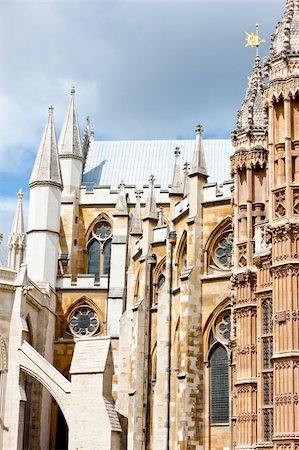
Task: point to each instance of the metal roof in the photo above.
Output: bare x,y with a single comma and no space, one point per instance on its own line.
110,162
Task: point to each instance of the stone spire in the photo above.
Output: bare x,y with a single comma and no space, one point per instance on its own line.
69,144
186,186
151,207
177,185
198,161
285,40
136,226
251,114
121,208
17,240
46,169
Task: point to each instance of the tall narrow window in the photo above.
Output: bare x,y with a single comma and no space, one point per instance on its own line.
219,338
94,259
219,385
99,250
107,257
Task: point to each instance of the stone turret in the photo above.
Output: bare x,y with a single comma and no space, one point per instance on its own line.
251,121
285,40
44,209
70,150
17,240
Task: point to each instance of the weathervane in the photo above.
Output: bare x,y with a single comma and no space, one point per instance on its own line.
254,40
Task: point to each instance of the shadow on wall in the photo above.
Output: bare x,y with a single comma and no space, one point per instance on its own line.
93,176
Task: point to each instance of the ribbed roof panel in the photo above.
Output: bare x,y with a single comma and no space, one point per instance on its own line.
110,162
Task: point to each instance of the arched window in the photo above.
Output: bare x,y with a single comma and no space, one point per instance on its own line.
219,338
99,250
94,258
219,247
219,385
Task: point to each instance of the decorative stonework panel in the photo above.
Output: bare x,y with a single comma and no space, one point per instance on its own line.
279,203
296,201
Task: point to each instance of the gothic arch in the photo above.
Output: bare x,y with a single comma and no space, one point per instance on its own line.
222,232
35,365
85,301
181,255
207,329
101,216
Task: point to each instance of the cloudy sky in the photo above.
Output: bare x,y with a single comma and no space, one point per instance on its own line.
144,69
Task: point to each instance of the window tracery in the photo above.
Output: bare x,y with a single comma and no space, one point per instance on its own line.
84,321
223,250
219,338
99,249
219,247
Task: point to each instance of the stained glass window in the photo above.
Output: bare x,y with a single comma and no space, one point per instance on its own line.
94,259
107,257
267,317
219,385
84,321
223,250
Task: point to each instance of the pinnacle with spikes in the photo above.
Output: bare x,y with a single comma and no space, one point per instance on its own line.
121,207
161,217
186,186
69,144
136,227
46,169
177,185
251,114
17,239
151,207
285,40
198,160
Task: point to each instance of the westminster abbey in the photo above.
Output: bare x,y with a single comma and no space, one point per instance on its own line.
157,306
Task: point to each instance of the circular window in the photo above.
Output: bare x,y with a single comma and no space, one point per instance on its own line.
84,321
223,250
102,230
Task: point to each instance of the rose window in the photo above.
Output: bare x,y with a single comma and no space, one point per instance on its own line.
223,250
102,230
84,321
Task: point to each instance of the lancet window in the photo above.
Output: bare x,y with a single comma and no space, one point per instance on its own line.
219,368
267,368
99,249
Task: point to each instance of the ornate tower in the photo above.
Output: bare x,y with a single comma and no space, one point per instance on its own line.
17,241
282,101
44,209
249,170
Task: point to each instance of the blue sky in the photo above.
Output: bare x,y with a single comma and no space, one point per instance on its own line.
143,69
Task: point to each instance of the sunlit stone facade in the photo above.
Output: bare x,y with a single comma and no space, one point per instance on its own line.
157,308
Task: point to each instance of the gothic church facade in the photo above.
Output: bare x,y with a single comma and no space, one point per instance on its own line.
160,314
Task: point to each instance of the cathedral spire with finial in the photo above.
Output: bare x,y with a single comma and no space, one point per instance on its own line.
121,207
69,143
17,240
177,185
198,160
151,207
46,168
136,225
251,114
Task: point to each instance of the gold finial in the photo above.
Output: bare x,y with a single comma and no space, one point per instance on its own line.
254,40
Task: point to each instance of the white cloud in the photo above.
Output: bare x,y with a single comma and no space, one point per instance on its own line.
144,69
